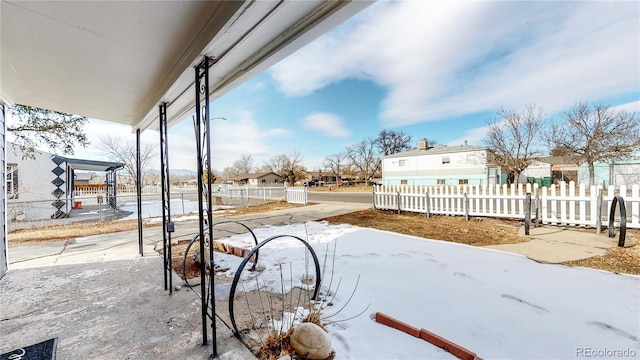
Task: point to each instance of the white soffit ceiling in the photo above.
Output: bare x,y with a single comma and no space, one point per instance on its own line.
117,60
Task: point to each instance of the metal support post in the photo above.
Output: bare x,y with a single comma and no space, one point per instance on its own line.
139,192
599,212
167,224
203,151
527,214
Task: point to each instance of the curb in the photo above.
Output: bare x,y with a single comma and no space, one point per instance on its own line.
426,335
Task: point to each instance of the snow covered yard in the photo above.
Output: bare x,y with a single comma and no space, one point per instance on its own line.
498,305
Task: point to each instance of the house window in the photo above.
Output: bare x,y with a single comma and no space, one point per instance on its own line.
12,181
463,181
402,163
441,182
404,182
446,160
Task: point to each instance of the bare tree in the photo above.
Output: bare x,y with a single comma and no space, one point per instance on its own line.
289,167
56,130
364,158
228,173
336,163
594,133
391,142
125,152
244,165
265,168
278,163
515,139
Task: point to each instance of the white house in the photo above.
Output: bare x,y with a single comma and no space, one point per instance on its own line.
619,172
441,165
41,187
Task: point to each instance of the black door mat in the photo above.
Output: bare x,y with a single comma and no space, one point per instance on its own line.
45,350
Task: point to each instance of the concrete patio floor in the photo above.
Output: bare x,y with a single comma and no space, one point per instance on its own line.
112,310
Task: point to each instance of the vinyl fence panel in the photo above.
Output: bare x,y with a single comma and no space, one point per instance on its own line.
563,204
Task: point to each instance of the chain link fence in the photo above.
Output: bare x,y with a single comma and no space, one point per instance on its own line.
97,208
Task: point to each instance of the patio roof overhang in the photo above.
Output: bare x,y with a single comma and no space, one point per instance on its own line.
93,165
118,60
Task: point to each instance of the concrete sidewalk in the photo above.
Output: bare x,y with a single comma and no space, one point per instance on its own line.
102,300
124,245
556,244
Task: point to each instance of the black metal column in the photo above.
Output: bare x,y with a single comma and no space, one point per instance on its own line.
111,188
167,224
139,191
203,150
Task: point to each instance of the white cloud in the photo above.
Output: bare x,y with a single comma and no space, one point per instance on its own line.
325,123
241,135
630,107
238,135
445,59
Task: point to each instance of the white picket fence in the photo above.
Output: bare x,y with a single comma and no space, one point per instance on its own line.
557,204
296,195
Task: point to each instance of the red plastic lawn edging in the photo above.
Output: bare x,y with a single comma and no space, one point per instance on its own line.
426,335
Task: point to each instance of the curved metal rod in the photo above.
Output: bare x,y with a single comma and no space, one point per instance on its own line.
255,239
623,219
234,284
184,260
196,236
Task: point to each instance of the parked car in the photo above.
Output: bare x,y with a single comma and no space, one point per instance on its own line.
311,183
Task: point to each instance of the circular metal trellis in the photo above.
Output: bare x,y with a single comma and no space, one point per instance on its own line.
618,200
195,237
236,278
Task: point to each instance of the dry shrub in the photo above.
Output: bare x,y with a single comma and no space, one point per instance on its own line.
276,346
314,318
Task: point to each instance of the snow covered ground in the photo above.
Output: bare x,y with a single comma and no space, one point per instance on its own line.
498,305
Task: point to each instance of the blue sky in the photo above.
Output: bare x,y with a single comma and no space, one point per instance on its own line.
435,69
